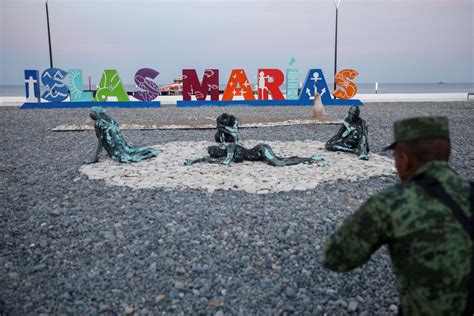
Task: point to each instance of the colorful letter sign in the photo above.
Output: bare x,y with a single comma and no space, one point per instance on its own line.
151,89
53,80
342,80
76,88
292,83
266,87
32,89
111,86
238,90
238,85
192,85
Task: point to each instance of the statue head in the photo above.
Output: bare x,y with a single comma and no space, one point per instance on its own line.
97,112
227,128
216,152
226,120
353,114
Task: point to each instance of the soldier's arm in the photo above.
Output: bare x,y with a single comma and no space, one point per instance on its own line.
360,235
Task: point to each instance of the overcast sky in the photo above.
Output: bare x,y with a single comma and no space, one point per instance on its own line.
391,41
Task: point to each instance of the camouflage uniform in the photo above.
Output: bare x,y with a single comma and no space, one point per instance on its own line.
431,250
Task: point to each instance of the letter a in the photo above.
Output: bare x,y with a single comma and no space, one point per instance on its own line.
111,86
238,85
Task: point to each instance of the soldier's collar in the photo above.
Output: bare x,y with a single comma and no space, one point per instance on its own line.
432,164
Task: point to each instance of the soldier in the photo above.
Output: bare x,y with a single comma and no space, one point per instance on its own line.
426,221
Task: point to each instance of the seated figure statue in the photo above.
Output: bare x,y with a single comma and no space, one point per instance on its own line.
261,152
227,129
352,136
110,137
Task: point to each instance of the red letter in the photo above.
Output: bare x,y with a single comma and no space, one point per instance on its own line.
265,86
192,85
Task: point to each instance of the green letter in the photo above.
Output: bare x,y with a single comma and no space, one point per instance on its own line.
111,86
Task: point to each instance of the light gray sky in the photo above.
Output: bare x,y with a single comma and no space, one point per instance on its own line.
391,41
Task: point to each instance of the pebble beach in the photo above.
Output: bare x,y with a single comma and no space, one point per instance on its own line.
110,239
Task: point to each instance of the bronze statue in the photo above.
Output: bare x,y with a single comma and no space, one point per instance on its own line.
352,136
261,152
110,137
227,129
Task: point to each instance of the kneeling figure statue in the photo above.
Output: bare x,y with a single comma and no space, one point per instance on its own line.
227,129
110,137
352,136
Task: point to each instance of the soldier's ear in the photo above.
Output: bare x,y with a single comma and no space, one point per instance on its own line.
403,163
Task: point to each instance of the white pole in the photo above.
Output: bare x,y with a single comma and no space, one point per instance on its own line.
376,87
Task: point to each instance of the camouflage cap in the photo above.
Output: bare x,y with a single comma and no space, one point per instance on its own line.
419,128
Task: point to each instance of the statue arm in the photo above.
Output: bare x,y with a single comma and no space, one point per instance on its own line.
189,162
365,130
222,138
97,153
338,135
347,129
230,155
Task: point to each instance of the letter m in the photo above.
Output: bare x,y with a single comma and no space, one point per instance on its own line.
192,85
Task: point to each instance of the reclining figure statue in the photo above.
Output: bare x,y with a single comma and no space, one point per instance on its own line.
110,137
261,152
352,136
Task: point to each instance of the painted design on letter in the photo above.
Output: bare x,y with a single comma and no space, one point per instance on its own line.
76,87
32,86
152,90
238,85
192,85
315,82
343,79
292,83
53,81
111,86
266,87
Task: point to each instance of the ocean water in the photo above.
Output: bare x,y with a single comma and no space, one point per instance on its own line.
364,88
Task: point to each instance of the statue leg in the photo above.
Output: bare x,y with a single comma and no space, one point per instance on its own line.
361,150
344,148
141,153
330,144
274,160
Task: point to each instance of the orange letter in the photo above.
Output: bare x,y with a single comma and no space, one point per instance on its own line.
238,85
342,80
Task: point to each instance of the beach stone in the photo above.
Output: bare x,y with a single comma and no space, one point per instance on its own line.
180,270
352,307
393,308
160,298
290,293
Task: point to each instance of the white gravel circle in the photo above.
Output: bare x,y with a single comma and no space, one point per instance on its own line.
168,169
